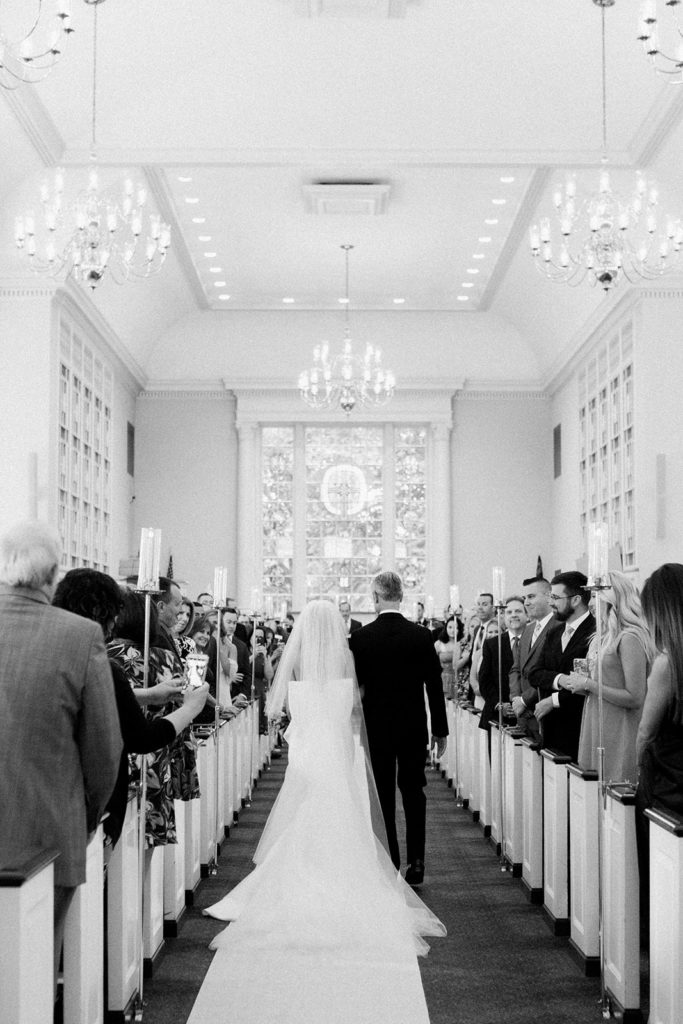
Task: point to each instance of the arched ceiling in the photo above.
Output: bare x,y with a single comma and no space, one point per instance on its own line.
468,112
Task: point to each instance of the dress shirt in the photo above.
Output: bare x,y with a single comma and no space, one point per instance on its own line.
540,626
569,631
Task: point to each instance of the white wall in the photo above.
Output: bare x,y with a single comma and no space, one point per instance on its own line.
502,474
186,482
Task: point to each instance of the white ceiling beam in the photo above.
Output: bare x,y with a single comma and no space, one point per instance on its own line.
36,123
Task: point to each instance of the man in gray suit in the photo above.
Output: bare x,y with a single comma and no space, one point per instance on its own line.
522,694
60,740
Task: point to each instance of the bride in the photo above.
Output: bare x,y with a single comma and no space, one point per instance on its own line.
324,928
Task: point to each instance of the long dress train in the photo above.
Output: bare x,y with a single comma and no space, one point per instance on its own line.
324,929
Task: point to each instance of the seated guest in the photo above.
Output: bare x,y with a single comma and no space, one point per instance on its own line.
627,656
96,596
558,710
60,740
523,695
495,688
448,649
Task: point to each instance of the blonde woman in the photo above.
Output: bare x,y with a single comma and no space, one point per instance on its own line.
627,655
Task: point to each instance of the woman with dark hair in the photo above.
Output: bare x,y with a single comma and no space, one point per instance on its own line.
659,743
448,649
182,630
94,595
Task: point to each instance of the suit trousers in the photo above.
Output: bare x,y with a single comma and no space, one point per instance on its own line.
403,762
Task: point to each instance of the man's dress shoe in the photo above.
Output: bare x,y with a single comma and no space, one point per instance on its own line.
415,873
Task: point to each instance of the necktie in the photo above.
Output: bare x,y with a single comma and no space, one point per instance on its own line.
536,633
515,645
566,636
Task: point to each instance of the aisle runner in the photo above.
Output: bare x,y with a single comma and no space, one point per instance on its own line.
307,987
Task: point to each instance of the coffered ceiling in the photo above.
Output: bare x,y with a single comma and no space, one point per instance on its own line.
463,113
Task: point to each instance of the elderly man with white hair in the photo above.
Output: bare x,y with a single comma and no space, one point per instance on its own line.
60,741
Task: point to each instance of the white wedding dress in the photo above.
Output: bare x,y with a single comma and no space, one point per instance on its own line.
324,929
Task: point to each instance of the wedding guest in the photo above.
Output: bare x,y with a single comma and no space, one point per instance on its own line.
242,680
262,674
627,655
205,600
60,740
181,630
448,649
351,624
462,665
94,595
493,689
485,613
523,695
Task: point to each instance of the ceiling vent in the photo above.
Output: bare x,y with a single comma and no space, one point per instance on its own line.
347,197
381,8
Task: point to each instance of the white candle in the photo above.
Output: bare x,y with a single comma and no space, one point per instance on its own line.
150,556
220,586
498,584
414,611
255,600
429,607
454,596
598,552
283,611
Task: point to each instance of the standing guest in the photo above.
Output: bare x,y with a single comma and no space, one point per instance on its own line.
205,599
515,620
558,710
206,644
448,649
59,729
262,674
94,595
627,655
242,681
395,660
420,619
462,665
485,613
351,624
524,696
181,630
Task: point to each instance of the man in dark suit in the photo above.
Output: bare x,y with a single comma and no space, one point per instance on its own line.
242,684
351,624
515,620
395,659
523,695
558,710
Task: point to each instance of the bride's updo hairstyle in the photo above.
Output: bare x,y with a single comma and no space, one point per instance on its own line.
317,650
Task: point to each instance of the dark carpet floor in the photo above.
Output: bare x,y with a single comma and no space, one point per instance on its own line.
499,963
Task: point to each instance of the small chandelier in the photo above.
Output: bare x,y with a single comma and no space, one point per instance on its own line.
613,236
99,232
346,379
669,66
33,58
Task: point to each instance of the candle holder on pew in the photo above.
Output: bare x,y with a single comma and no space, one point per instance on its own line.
147,584
598,581
499,604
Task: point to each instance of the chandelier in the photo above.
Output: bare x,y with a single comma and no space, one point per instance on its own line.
669,65
99,232
34,56
347,378
605,236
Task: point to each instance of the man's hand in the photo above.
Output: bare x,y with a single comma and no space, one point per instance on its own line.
239,677
518,706
543,708
440,743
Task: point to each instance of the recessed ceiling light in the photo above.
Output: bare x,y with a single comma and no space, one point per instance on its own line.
507,179
224,297
199,220
491,220
204,238
343,301
484,238
288,299
463,298
219,284
477,255
191,199
185,180
499,202
467,284
399,301
472,270
215,270
210,255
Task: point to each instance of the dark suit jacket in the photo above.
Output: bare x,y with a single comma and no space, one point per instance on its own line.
526,660
395,660
60,740
488,676
354,624
562,727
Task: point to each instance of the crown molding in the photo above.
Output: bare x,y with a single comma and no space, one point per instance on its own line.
389,9
36,123
28,288
164,201
154,394
476,391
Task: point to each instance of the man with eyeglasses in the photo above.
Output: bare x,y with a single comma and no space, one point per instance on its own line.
559,711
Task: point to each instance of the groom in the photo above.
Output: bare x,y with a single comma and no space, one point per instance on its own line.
395,660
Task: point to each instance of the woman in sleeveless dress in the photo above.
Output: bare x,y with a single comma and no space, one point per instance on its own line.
330,926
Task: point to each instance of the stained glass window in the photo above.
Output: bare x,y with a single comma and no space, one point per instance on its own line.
410,510
277,461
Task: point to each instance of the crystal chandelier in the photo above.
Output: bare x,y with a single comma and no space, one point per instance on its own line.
100,232
347,378
668,65
34,56
605,236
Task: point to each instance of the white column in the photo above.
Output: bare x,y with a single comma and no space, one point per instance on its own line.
299,511
439,537
249,513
